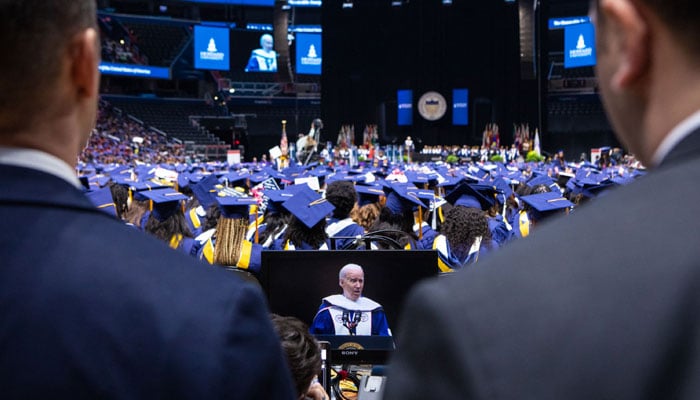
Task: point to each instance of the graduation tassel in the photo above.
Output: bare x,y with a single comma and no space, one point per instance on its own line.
256,225
420,223
433,223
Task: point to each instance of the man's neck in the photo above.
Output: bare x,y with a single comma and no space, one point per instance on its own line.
673,96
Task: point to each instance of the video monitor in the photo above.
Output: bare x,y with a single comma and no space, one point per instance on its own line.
253,50
579,45
211,48
295,282
309,53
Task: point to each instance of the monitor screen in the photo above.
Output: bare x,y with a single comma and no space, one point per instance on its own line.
253,50
295,282
309,53
579,45
211,48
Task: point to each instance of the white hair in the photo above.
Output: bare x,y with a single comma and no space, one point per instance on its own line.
349,267
265,36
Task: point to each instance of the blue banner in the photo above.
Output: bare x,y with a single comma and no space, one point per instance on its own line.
269,3
140,71
579,46
405,107
460,106
305,3
309,53
211,48
561,23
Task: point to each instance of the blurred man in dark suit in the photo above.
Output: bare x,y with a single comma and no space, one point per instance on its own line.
89,307
576,311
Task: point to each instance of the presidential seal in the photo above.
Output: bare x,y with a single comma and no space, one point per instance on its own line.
432,106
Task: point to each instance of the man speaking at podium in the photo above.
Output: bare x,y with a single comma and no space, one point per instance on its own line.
350,313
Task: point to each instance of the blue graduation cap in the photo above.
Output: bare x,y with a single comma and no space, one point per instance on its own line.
205,190
308,206
543,204
183,180
399,199
489,192
275,198
543,180
235,207
102,199
466,196
166,202
293,172
503,188
368,194
235,178
145,172
259,177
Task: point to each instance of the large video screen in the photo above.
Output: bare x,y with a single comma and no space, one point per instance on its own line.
253,50
211,48
579,45
309,53
295,282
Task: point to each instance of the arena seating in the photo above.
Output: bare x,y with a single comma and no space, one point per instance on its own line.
170,115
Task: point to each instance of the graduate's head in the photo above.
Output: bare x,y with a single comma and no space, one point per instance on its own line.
352,280
266,41
301,348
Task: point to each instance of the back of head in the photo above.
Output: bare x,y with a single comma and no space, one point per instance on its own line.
35,34
682,17
343,196
302,350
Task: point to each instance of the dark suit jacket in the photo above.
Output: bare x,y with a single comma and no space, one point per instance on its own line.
91,308
604,304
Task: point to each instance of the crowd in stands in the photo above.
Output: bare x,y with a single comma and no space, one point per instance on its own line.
119,139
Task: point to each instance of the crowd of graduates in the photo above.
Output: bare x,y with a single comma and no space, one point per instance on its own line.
228,214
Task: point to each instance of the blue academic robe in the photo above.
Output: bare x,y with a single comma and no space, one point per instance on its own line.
339,315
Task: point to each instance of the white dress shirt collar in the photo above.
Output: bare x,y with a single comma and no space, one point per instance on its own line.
39,160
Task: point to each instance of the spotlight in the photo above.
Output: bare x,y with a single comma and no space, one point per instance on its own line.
232,90
347,4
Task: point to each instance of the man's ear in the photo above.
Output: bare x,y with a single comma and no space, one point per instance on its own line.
625,20
85,57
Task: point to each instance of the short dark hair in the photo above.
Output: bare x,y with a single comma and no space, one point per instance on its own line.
682,17
343,196
35,34
301,348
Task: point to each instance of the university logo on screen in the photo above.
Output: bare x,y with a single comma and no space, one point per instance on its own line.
312,58
579,46
581,50
211,54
